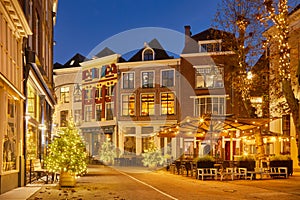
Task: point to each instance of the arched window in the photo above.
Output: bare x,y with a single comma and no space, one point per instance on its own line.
148,54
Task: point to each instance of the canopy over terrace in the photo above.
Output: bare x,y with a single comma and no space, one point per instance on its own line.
212,127
199,126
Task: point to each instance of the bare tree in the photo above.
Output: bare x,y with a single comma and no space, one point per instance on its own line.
240,17
278,13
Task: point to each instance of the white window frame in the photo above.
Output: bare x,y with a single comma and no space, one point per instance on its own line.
85,113
197,109
220,72
123,79
128,94
210,42
161,78
141,104
174,102
149,71
143,54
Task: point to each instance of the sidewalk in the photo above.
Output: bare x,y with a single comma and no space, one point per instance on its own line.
22,193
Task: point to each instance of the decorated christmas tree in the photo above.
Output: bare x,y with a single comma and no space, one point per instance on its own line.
153,157
107,152
67,152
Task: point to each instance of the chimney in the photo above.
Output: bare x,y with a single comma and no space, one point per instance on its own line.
187,29
187,39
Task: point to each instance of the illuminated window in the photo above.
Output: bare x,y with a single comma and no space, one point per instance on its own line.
64,94
130,144
98,112
147,79
32,102
128,105
286,124
167,103
167,77
209,77
147,139
10,137
63,118
210,105
128,80
88,113
147,102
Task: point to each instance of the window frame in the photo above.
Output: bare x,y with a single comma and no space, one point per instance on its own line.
161,103
204,71
153,79
96,113
123,80
65,95
162,78
148,107
203,105
88,112
128,104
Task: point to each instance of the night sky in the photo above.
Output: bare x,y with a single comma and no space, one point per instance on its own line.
83,24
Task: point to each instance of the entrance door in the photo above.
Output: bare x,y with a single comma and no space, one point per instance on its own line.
227,150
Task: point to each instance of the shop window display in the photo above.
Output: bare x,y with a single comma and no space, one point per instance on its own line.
9,144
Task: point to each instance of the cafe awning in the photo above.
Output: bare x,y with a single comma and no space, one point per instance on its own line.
199,126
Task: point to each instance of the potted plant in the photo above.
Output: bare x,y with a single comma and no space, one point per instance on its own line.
107,152
67,155
282,161
206,161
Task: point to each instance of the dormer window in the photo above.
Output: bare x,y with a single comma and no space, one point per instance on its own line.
148,54
210,46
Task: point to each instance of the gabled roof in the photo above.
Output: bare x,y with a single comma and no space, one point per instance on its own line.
211,34
73,62
191,42
160,53
105,52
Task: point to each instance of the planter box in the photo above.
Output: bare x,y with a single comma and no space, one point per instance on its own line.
283,163
205,164
249,164
67,180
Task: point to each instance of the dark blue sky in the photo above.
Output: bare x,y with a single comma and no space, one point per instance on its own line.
83,24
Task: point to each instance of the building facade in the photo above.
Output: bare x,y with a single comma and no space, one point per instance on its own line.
68,91
14,30
147,100
99,78
38,79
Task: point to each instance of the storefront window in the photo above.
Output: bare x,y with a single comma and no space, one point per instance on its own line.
10,138
31,139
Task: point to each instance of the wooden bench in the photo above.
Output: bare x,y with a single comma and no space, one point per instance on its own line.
39,171
207,172
278,171
233,172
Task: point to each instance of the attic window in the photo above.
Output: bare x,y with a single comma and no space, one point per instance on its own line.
72,62
210,46
148,54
